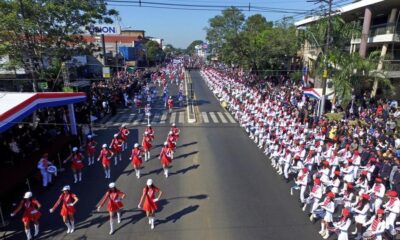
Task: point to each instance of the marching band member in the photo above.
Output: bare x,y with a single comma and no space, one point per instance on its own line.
165,156
392,208
90,149
378,190
302,181
42,165
76,159
361,209
315,196
105,155
342,226
150,132
124,132
149,200
170,103
329,206
146,143
116,147
356,162
171,142
376,225
286,160
114,205
31,214
175,131
136,159
68,200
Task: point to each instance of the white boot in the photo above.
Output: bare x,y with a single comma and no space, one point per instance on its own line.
106,173
304,207
36,230
166,172
80,176
72,226
68,227
326,235
28,234
145,157
312,217
111,227
148,155
152,223
118,217
115,160
109,173
75,178
138,173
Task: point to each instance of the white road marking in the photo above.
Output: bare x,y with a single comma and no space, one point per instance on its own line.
205,117
221,116
214,117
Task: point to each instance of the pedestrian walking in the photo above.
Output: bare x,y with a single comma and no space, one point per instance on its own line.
116,147
124,133
67,199
31,214
90,149
114,206
76,159
43,165
146,144
165,157
149,201
105,156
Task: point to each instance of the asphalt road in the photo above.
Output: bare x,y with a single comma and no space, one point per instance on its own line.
221,187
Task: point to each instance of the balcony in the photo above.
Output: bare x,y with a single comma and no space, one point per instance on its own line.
392,68
382,33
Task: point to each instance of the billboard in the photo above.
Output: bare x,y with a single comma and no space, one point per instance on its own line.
106,29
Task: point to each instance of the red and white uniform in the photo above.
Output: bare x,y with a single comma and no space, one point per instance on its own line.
150,132
116,145
67,199
165,156
146,142
114,200
171,142
175,131
136,157
105,155
170,103
124,132
91,147
149,194
77,161
31,212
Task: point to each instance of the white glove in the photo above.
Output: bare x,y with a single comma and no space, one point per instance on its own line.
139,206
12,214
98,209
70,204
51,210
156,199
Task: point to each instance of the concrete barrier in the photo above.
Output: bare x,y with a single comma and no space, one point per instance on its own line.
189,99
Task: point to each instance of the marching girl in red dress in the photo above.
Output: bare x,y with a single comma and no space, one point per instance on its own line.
31,214
114,205
175,131
68,200
136,159
149,200
146,143
165,156
171,142
150,132
116,147
124,132
90,149
170,104
76,159
105,156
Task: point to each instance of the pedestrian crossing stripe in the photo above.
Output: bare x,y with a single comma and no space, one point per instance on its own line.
221,116
174,117
205,117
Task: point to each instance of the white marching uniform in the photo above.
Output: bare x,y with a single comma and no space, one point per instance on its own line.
393,209
343,227
42,166
380,228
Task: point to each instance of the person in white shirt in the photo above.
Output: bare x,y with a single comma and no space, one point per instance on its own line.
329,206
392,209
342,226
360,210
43,165
378,189
376,225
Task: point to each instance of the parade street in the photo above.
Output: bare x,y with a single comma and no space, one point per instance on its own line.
221,186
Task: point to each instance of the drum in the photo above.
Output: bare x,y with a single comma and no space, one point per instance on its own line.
320,213
368,236
333,230
52,170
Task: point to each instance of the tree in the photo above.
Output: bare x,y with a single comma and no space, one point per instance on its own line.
191,48
35,33
154,53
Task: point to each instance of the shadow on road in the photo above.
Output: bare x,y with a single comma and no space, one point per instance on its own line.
186,155
195,197
183,171
176,216
186,145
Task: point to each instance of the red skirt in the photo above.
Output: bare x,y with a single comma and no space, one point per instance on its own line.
91,151
149,205
114,206
136,162
105,161
147,146
67,210
32,216
116,150
166,161
76,166
124,137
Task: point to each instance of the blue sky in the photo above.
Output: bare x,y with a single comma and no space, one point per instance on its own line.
181,27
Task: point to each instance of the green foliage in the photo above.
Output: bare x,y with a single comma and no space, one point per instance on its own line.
191,48
154,53
253,43
34,33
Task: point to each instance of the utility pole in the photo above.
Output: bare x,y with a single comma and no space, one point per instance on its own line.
116,55
325,74
103,44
